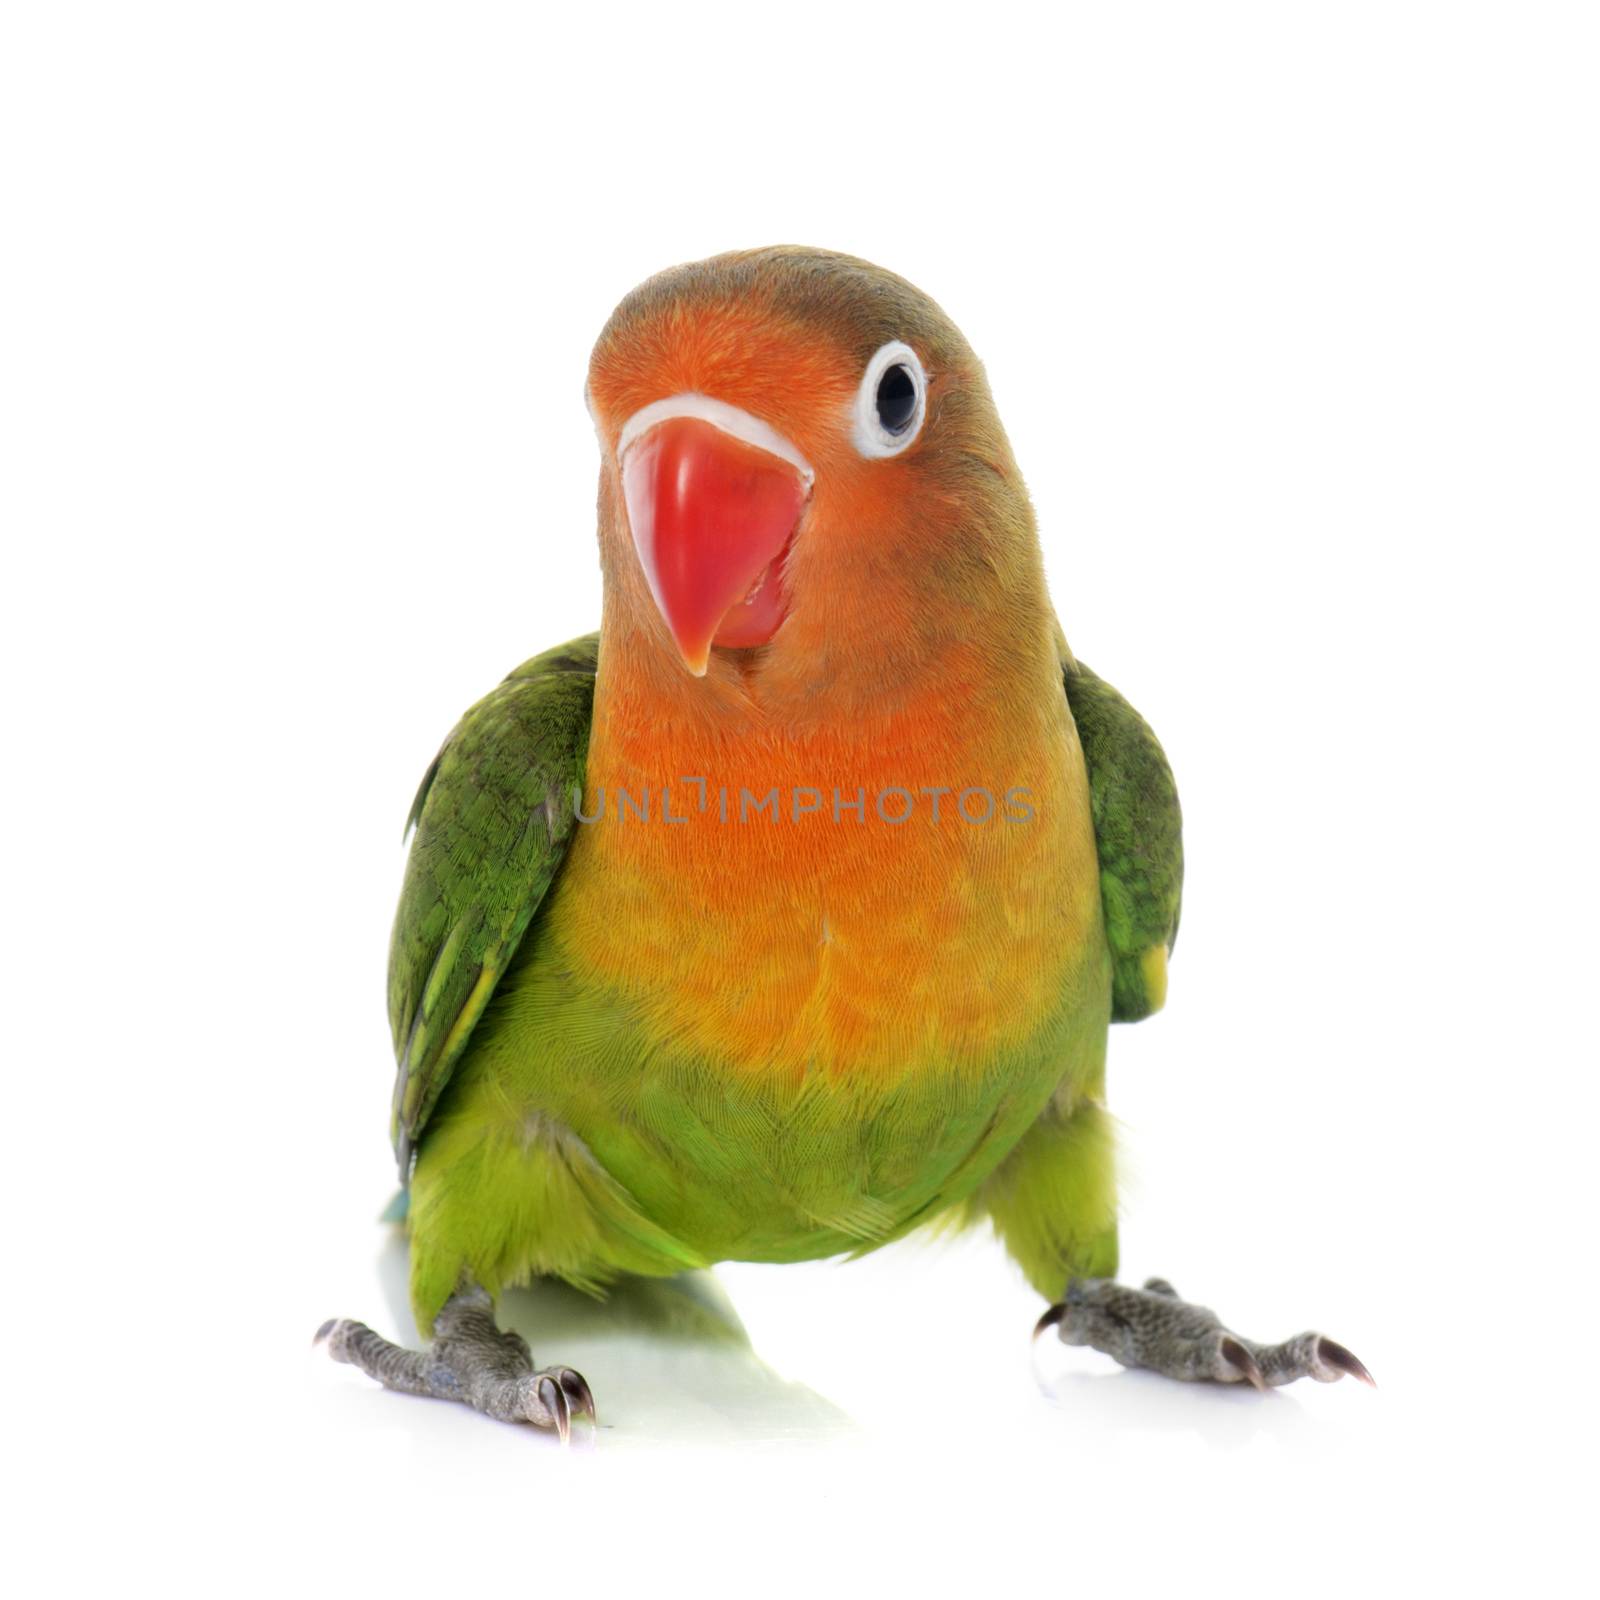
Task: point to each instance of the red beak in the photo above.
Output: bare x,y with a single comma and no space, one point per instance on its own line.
712,517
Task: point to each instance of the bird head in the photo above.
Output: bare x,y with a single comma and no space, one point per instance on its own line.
803,476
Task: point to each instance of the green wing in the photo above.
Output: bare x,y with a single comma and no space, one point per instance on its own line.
493,819
1139,834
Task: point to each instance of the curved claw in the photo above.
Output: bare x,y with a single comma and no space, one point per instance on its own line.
1052,1316
337,1334
580,1397
1233,1353
552,1397
1333,1354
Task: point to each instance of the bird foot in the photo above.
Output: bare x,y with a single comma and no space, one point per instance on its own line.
1151,1327
472,1361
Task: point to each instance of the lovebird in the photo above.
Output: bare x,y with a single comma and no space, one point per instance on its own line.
789,912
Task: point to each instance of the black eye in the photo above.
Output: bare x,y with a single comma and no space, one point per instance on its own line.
891,403
897,399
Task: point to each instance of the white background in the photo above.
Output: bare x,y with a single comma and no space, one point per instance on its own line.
1291,314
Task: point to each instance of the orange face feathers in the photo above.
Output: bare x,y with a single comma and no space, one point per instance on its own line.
805,488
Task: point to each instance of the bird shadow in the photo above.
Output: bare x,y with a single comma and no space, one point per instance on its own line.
1134,1402
668,1359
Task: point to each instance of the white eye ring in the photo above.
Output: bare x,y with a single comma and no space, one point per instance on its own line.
868,433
